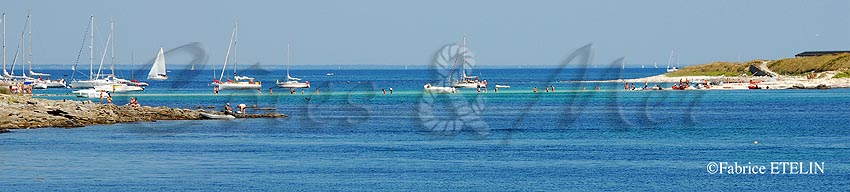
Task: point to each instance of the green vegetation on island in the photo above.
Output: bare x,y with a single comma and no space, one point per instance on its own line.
803,65
788,66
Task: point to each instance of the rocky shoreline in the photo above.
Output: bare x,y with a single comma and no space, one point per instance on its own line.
25,112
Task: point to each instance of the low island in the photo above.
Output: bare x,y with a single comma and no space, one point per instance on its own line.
809,72
25,112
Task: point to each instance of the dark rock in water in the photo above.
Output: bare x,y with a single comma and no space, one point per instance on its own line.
4,130
822,86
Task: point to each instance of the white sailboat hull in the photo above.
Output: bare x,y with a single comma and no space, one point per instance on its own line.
54,83
238,85
292,84
86,84
472,85
158,78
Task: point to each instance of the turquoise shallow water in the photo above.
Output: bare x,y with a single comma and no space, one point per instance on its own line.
353,137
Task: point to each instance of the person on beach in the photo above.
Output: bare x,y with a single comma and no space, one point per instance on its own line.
109,100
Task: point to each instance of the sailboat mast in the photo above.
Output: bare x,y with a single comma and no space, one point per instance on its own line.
132,62
29,17
4,43
288,59
235,45
463,57
227,56
112,44
91,49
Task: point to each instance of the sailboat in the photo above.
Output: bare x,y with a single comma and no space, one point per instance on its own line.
466,81
674,68
94,79
158,69
291,82
239,82
43,80
6,75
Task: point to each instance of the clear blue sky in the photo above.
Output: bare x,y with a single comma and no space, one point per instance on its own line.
389,32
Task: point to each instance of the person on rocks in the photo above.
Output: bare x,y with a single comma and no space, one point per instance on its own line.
228,109
134,103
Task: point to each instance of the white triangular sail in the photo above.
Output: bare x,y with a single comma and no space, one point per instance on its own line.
158,68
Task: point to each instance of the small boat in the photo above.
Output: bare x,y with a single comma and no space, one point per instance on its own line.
118,88
91,93
503,86
39,86
158,69
438,89
217,116
329,74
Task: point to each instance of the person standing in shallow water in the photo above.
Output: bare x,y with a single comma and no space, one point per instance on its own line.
391,90
535,89
384,90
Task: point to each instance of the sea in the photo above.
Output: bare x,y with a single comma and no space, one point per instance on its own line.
345,134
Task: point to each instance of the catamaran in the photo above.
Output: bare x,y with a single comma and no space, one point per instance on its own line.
464,80
239,82
158,69
291,82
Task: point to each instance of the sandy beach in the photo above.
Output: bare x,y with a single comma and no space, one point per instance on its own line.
781,82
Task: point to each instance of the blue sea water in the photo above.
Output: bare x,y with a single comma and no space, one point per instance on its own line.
352,137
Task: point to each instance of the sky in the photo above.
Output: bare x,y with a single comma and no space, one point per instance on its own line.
398,33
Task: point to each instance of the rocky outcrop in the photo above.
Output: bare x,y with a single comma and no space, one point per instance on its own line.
18,112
